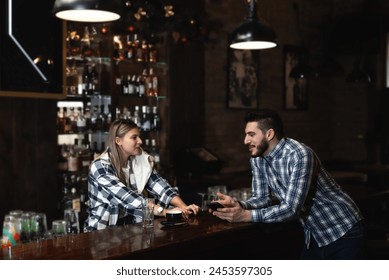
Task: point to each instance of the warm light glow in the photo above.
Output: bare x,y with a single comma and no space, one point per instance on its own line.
253,45
87,15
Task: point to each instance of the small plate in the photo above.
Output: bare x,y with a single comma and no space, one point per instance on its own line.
167,224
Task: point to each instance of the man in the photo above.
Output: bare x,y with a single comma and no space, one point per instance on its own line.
292,172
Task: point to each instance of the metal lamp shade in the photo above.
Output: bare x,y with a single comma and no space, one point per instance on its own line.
87,10
253,35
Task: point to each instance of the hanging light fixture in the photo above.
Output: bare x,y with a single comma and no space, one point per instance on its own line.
252,34
87,10
302,70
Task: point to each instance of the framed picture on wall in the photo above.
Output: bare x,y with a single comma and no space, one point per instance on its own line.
243,79
295,89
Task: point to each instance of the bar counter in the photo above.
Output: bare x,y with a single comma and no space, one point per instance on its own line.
204,237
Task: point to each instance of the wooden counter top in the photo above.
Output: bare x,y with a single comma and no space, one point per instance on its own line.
205,237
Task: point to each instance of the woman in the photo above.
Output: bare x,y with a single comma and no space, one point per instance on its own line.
120,178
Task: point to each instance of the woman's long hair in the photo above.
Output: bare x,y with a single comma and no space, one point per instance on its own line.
118,128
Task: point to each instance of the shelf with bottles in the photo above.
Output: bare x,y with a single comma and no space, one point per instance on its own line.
88,76
84,115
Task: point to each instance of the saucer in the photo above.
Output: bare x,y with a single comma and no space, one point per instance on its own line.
168,224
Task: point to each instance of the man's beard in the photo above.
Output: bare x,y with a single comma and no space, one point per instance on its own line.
261,148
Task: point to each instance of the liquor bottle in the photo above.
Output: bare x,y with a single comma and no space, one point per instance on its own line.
101,119
105,79
137,118
146,146
108,120
124,83
152,53
86,80
155,119
96,151
81,121
142,88
85,155
71,116
60,120
62,162
94,85
72,159
130,85
65,202
129,48
145,118
73,119
145,51
152,84
87,116
76,202
136,85
154,151
85,43
94,116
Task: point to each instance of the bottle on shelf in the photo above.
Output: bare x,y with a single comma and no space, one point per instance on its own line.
124,83
81,121
145,122
136,117
62,162
152,84
154,151
94,85
72,157
75,198
130,85
141,86
85,43
155,119
86,80
65,202
60,120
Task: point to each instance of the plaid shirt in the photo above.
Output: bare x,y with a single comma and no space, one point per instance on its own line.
107,195
293,173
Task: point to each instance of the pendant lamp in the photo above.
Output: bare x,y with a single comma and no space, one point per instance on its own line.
252,34
87,10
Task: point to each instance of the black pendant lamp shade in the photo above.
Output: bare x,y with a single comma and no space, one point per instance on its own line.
87,10
252,34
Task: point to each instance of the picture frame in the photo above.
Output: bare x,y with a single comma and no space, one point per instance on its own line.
243,79
295,89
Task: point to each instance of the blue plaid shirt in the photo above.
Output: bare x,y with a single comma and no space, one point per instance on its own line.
293,173
108,195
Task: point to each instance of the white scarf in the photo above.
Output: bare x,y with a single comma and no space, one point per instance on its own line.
142,166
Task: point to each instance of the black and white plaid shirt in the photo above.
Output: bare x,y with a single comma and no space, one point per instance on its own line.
108,196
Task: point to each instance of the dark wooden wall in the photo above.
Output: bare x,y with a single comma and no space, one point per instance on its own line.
28,156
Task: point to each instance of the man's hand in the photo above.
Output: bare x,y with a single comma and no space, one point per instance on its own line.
232,212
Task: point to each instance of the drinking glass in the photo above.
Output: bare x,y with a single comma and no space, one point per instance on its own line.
38,226
148,212
58,228
11,231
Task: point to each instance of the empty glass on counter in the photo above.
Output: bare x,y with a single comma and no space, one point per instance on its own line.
38,226
11,231
72,221
59,228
